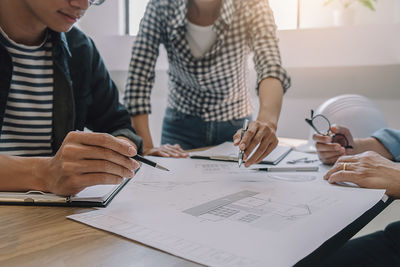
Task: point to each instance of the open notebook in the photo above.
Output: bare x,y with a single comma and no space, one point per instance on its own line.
93,196
228,152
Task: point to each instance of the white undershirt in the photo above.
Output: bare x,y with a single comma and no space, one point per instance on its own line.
200,39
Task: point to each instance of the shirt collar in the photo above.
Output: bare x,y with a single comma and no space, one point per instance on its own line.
59,38
180,13
227,11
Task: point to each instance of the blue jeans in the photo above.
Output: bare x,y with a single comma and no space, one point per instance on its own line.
193,132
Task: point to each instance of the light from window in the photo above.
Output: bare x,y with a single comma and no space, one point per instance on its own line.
136,11
285,13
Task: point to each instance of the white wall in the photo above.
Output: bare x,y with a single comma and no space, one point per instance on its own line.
397,7
325,62
315,14
104,20
341,46
368,44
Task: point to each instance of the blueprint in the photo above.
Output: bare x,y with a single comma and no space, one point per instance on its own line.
254,209
217,214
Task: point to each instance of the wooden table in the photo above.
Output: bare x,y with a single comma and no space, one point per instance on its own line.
43,236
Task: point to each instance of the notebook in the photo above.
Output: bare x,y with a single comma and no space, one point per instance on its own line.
228,152
93,196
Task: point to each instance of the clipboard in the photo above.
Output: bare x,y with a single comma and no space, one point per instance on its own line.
93,196
227,152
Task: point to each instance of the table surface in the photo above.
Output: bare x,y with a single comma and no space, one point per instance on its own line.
37,236
43,236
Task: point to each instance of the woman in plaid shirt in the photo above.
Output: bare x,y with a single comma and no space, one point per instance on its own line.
208,43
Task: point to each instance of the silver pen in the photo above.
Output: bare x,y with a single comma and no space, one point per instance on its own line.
289,169
241,152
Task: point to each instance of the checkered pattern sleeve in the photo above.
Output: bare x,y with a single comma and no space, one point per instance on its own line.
142,66
264,43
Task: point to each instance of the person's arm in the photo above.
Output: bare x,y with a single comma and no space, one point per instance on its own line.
272,82
390,140
141,124
329,152
21,173
141,78
84,159
262,131
371,144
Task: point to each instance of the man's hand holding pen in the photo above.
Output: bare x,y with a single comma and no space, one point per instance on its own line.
258,133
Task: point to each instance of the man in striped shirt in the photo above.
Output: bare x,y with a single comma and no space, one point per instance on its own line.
53,84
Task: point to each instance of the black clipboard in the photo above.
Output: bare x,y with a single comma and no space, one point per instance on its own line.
37,198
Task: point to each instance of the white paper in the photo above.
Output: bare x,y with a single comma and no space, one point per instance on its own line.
227,151
216,214
95,192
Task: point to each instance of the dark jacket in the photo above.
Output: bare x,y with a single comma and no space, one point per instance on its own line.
84,94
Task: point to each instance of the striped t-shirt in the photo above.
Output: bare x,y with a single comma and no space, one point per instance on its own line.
27,124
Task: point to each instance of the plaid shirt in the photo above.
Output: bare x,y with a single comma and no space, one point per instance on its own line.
213,87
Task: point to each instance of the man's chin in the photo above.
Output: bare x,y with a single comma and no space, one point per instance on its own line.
63,28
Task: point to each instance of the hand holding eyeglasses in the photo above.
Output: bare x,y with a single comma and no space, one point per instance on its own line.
331,141
328,150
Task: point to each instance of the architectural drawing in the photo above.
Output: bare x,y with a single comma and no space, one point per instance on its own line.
254,208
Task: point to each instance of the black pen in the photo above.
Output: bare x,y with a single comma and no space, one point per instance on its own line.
149,162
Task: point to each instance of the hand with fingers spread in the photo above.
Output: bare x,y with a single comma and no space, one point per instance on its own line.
328,150
258,133
369,170
86,159
167,150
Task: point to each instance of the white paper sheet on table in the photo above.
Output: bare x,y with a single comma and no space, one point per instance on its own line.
216,214
228,152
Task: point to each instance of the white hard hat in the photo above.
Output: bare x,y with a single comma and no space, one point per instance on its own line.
358,113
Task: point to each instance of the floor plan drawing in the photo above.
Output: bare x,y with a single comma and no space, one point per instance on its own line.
251,208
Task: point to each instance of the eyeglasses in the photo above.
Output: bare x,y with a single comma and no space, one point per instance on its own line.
96,2
301,160
322,126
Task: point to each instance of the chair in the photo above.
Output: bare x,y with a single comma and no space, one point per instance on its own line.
356,112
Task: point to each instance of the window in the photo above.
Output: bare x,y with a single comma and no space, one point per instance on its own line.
295,14
135,11
285,13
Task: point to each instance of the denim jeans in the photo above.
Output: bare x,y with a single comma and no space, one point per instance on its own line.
193,132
